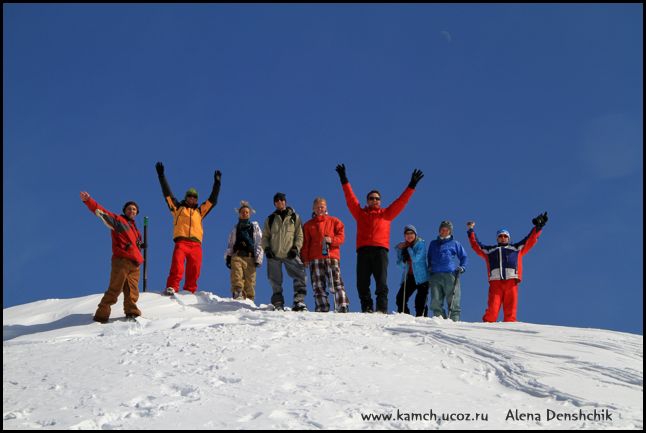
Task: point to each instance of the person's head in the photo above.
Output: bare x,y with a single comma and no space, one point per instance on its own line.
191,197
131,210
280,201
320,206
374,199
410,233
245,210
502,236
446,229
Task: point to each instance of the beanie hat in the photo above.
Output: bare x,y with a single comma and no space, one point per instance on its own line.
410,228
448,224
279,196
128,204
192,192
503,231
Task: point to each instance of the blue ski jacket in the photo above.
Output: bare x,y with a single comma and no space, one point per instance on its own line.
417,253
445,255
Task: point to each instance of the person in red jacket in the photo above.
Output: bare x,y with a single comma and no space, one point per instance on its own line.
373,238
505,267
322,239
126,258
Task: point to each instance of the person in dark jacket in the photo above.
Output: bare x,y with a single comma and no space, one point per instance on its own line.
447,259
505,267
373,238
126,258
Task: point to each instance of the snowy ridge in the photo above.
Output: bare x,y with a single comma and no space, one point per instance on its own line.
202,361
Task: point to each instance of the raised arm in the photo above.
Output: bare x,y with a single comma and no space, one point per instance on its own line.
399,204
171,201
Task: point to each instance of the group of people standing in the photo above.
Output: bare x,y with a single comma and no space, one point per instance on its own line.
286,241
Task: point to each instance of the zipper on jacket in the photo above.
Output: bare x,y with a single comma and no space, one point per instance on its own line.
502,268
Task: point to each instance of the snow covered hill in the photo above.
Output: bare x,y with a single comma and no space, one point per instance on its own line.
201,361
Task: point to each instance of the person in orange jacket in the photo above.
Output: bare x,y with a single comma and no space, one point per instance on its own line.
505,267
373,238
187,232
323,236
126,258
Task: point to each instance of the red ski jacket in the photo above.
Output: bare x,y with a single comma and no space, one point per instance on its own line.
126,238
313,233
373,225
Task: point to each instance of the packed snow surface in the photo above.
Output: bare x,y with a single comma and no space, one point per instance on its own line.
203,362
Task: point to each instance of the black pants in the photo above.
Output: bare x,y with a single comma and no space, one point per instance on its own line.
421,308
372,261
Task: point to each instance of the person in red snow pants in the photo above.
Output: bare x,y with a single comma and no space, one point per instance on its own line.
505,267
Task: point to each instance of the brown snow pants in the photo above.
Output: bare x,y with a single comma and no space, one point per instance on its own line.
124,277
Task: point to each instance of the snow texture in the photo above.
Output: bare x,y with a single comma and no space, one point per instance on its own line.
205,362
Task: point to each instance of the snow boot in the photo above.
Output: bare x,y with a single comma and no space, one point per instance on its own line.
300,306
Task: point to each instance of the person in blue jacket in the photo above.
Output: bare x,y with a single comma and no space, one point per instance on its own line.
447,259
411,256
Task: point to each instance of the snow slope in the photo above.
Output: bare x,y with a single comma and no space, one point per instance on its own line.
201,361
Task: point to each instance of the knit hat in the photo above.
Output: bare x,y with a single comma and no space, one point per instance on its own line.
128,204
503,231
192,192
410,228
448,224
279,196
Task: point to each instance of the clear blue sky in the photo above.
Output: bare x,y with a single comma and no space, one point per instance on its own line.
510,110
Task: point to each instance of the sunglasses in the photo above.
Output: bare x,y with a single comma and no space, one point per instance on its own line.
503,236
374,198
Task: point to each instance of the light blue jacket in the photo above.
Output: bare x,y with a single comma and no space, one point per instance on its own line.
417,254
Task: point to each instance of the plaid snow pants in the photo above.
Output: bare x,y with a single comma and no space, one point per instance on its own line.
326,273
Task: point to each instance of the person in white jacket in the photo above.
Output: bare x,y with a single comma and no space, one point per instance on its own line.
244,253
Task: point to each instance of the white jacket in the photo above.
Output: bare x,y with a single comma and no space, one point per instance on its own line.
257,240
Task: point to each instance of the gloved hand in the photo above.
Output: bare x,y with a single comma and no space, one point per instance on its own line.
269,253
405,255
160,169
217,176
460,270
143,245
293,252
540,220
471,225
229,262
415,177
341,170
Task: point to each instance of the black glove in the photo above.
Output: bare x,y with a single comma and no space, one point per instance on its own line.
293,252
540,220
415,177
143,245
229,262
217,176
160,169
341,170
269,253
405,255
460,270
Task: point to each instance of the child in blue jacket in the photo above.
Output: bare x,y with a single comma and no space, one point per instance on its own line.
411,256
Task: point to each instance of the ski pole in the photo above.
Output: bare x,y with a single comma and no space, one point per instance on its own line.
455,284
145,253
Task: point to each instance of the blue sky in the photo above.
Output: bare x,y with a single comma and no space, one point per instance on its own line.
510,110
